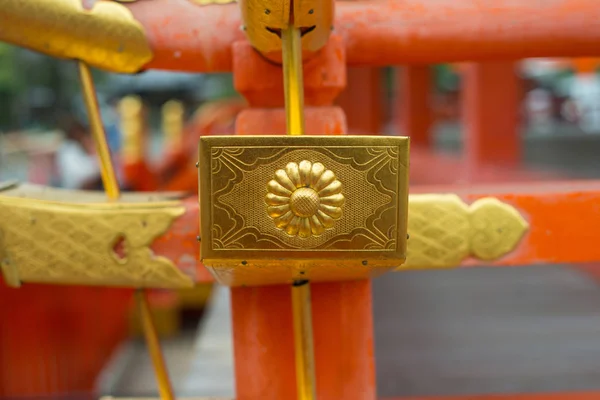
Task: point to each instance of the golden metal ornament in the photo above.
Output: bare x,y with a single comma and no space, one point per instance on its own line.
444,230
256,232
165,388
45,239
133,128
264,23
106,37
303,203
173,122
304,200
107,170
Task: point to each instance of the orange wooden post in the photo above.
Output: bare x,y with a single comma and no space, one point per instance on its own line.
413,104
55,340
362,101
262,317
490,114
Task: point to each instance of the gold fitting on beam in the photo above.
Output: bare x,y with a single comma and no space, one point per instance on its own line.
85,240
276,209
444,230
107,36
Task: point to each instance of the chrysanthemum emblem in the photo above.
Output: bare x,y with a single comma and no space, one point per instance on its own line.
304,199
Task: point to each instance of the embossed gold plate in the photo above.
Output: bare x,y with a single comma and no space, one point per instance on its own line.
280,208
60,236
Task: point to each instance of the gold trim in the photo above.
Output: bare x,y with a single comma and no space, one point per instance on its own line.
106,37
73,243
444,230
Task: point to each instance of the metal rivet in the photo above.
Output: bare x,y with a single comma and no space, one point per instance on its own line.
311,11
267,11
197,164
244,262
407,236
198,238
364,262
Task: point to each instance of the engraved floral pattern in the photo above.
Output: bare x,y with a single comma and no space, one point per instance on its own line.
304,199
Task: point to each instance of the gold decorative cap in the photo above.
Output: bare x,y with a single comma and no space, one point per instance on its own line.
304,199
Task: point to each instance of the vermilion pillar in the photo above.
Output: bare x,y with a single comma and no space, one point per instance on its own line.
414,115
262,315
362,101
490,114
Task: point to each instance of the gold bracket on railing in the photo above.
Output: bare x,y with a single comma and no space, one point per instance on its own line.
444,230
275,209
86,239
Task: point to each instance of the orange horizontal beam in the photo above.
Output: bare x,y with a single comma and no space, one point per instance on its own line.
180,244
563,218
189,37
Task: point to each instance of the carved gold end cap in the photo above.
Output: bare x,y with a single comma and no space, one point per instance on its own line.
106,37
58,236
444,230
279,208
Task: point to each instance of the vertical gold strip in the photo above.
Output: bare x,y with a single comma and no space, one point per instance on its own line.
112,191
303,341
301,299
292,80
162,376
91,103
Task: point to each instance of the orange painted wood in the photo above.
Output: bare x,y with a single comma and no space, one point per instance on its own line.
190,37
362,101
138,177
413,104
267,121
180,243
490,114
324,76
55,340
343,337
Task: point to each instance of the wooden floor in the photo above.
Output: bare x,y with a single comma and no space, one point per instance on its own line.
489,330
460,332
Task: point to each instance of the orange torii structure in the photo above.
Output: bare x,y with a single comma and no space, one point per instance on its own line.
187,36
